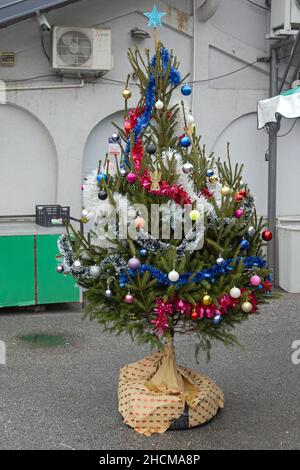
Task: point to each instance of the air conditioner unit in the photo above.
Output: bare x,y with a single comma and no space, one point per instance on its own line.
285,16
81,49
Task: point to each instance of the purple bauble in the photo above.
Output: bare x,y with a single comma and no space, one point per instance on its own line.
134,263
255,280
238,213
131,178
128,298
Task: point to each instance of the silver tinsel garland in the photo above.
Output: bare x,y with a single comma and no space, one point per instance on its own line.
119,264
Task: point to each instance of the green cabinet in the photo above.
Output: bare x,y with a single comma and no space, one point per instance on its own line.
52,287
17,271
28,269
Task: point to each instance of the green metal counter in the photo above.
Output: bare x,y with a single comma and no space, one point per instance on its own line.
28,266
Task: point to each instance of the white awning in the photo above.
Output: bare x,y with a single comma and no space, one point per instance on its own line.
287,105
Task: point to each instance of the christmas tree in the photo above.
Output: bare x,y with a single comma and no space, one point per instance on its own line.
174,243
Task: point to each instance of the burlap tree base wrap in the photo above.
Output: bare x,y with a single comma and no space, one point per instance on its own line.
154,391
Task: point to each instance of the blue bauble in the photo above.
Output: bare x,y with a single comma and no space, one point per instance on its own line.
143,252
260,286
186,90
217,319
209,173
244,244
185,141
102,177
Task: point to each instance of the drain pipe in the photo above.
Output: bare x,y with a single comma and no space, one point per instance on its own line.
272,173
194,57
45,87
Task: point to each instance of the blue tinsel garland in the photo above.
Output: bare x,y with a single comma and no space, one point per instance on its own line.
209,274
174,78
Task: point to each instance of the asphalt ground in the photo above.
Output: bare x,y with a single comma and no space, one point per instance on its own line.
63,394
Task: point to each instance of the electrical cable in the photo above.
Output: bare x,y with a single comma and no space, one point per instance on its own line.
257,5
121,82
193,82
290,130
44,47
279,136
29,79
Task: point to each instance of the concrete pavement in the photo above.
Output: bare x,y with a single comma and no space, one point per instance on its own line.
65,396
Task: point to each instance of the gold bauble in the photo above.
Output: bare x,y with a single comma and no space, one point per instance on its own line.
127,94
247,307
207,300
191,129
225,191
213,179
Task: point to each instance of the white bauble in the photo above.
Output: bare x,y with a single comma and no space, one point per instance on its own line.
159,105
235,292
173,276
190,119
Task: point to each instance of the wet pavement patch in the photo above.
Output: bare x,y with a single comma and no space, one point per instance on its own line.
44,340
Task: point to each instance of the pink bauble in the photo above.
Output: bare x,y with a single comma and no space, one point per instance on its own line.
83,187
131,178
128,298
134,263
238,213
255,280
139,222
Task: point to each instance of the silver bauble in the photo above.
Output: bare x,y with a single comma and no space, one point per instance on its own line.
77,265
95,271
251,231
123,172
220,261
108,293
187,168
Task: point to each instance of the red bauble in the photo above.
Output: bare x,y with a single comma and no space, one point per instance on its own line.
238,197
267,235
127,126
194,315
243,192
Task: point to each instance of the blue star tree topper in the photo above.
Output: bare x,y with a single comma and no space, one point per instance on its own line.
154,17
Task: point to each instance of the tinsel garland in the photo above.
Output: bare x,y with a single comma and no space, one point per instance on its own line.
224,304
190,242
124,273
174,192
143,120
139,120
116,261
65,250
209,274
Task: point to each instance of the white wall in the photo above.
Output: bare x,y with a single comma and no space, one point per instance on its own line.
77,121
28,172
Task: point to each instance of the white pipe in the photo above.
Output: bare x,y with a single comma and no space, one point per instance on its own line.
194,55
46,87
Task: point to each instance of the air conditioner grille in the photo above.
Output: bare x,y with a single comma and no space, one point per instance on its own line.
74,48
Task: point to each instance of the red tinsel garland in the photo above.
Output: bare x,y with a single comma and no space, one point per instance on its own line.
164,309
175,192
